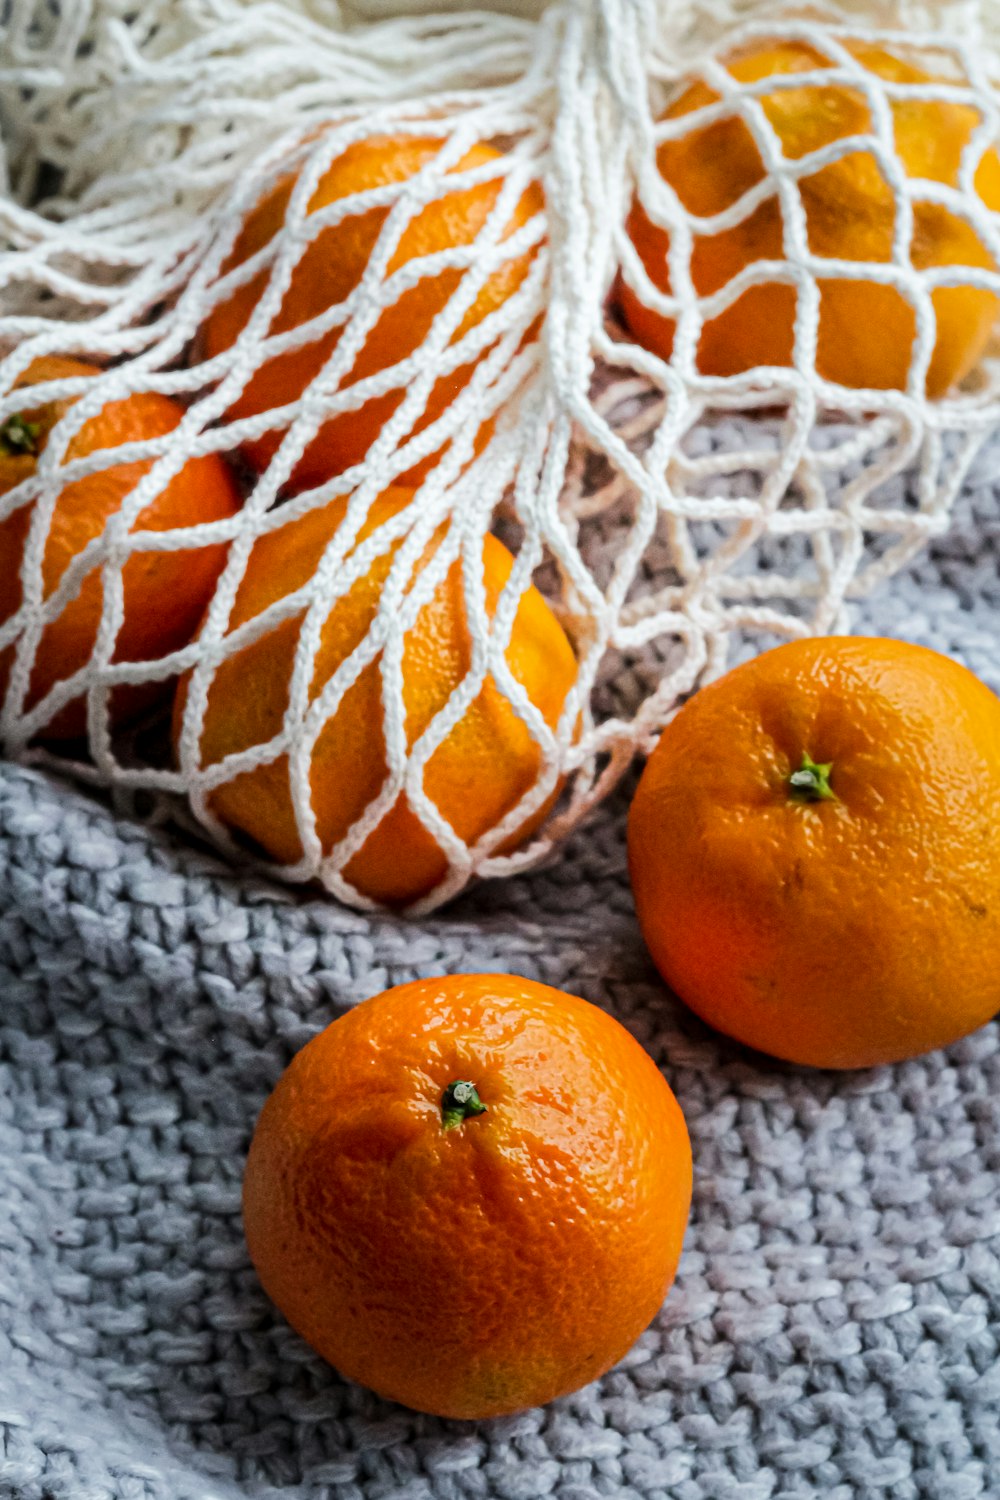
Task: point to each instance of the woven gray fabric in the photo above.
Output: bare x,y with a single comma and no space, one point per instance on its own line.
834,1326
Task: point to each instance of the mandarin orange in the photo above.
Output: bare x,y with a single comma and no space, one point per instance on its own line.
815,856
469,1193
866,328
329,270
165,593
478,773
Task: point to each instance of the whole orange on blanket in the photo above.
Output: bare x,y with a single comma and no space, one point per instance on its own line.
866,327
469,1193
479,772
165,593
814,848
330,269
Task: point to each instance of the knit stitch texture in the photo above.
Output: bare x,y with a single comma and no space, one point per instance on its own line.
834,1326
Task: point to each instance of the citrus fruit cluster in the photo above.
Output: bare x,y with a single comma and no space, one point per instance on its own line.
471,1193
489,761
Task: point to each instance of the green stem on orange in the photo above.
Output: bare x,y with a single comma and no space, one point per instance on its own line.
19,436
811,782
460,1102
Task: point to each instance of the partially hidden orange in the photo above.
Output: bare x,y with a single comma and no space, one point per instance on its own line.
331,267
469,1193
815,852
866,328
477,774
165,593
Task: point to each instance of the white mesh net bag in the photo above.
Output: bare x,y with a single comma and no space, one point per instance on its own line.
315,253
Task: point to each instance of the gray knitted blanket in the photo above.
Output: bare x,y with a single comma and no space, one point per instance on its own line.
834,1328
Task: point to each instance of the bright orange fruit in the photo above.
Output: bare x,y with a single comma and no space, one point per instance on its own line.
815,853
478,773
165,592
866,329
469,1193
329,270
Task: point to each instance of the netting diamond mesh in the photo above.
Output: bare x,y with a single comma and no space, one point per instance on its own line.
228,205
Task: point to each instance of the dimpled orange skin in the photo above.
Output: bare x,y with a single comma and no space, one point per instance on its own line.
478,773
477,1270
840,933
165,592
865,330
328,272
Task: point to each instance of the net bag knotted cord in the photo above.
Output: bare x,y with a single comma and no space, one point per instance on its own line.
672,517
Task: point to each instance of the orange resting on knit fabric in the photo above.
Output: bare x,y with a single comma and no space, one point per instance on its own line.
463,1263
815,853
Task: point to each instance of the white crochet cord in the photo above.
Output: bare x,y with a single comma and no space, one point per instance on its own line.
661,544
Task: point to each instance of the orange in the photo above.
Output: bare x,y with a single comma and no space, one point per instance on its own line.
165,593
815,852
469,1193
329,270
866,330
479,772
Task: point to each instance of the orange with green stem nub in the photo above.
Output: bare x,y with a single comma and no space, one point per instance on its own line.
815,855
165,593
469,1193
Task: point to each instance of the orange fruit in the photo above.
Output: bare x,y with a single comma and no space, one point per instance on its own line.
866,330
477,774
815,853
165,593
469,1193
329,270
